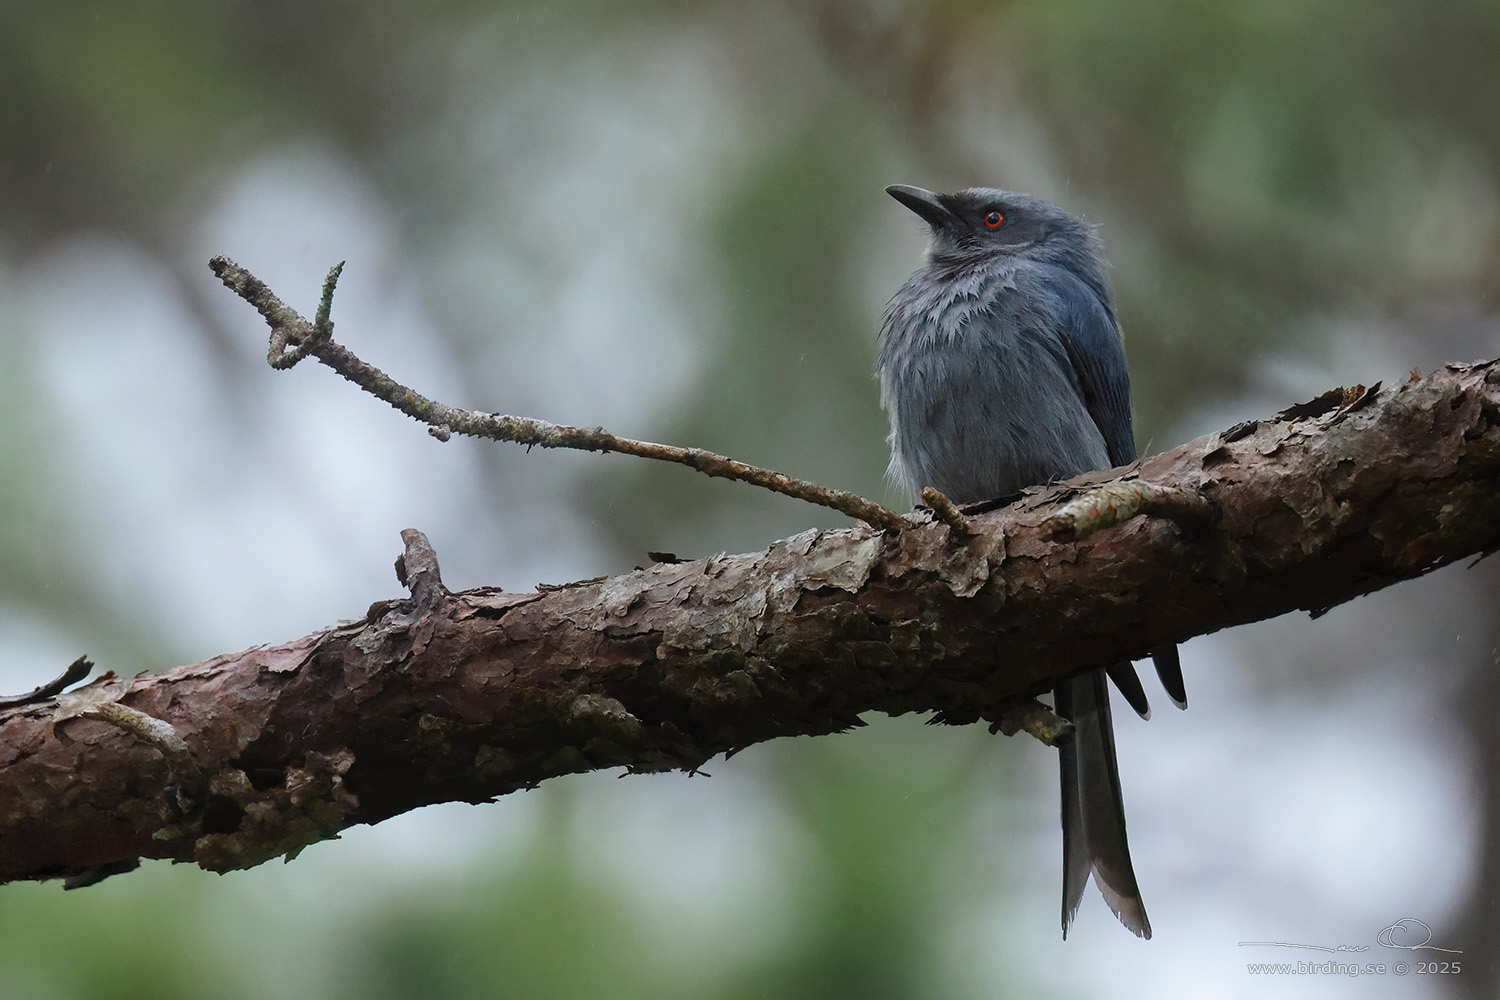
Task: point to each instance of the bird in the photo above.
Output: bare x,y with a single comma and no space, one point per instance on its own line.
1002,366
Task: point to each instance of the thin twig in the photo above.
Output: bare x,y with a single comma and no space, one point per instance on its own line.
77,671
157,732
1116,502
293,338
946,511
1037,719
417,569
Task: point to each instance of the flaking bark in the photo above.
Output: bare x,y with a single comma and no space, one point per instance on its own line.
469,696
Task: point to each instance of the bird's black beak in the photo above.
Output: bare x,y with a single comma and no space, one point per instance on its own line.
925,203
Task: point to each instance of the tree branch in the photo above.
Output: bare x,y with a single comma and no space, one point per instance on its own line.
469,696
294,338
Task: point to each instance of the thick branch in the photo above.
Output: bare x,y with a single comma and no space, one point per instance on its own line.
293,338
469,696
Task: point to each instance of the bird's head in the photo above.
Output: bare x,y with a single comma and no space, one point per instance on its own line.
984,222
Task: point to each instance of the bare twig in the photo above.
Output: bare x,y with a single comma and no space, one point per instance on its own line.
293,338
77,671
947,511
1116,502
1038,720
417,569
157,732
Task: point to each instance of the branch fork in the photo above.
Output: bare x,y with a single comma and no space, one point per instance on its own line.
294,338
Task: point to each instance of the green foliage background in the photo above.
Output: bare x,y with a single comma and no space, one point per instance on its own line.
665,217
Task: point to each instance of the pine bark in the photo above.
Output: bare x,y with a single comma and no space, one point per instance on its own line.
468,696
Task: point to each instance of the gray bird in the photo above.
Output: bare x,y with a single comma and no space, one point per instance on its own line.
1001,366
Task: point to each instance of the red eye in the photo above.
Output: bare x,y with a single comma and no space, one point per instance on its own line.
994,220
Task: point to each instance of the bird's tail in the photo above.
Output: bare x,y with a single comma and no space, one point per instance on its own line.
1093,809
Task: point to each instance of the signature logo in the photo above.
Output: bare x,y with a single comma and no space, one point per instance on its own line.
1406,934
1395,936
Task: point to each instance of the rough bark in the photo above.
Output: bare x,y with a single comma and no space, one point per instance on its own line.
469,696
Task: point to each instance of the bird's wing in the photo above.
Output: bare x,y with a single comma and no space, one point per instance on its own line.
1096,352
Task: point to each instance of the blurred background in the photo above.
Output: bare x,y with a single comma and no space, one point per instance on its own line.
667,218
